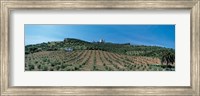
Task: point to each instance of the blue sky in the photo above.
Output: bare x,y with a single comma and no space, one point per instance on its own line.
153,35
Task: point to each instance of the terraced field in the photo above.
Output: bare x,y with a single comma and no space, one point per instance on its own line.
88,60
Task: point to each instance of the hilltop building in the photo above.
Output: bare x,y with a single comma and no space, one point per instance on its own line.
101,41
69,49
66,39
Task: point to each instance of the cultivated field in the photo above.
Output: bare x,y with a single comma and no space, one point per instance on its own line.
89,60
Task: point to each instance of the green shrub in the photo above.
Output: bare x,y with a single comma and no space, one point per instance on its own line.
51,69
36,62
44,68
39,66
76,68
57,67
63,66
31,66
53,64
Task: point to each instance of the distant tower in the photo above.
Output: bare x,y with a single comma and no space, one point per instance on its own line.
101,41
65,39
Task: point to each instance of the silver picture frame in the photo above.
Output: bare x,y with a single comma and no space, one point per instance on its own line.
6,6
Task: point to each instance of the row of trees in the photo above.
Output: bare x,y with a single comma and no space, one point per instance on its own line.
168,58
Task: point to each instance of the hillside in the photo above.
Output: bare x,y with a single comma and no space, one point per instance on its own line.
97,56
76,44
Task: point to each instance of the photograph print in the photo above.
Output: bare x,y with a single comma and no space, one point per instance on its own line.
99,47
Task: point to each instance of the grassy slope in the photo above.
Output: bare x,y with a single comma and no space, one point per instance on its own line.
88,56
125,49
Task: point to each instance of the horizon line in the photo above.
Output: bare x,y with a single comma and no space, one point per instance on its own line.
104,41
